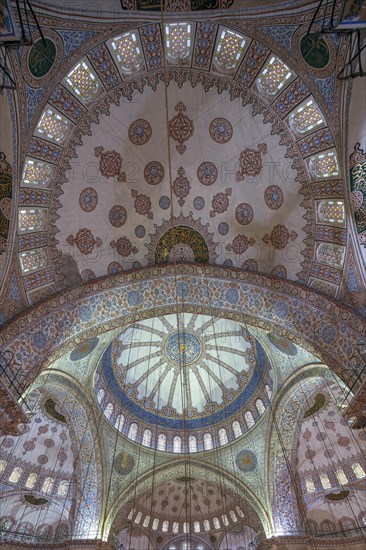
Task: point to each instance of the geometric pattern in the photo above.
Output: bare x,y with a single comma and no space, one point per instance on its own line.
181,127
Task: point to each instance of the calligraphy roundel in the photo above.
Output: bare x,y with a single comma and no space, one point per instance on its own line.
41,61
42,56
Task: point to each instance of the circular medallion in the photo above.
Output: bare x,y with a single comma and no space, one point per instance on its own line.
207,173
314,50
87,275
88,199
250,265
123,463
282,344
221,130
154,172
140,231
244,213
139,132
199,203
114,268
223,228
42,56
279,271
273,197
183,348
164,203
246,461
83,349
117,215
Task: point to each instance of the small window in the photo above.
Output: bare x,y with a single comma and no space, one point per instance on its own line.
268,391
15,475
2,466
146,438
138,517
260,407
146,521
225,521
130,515
175,528
196,527
341,476
32,219
206,525
185,527
305,118
132,432
162,442
207,441
324,479
240,512
331,254
331,212
249,419
155,524
126,48
63,488
192,444
358,470
36,172
165,526
233,516
48,485
31,480
83,82
100,395
324,165
216,523
33,260
53,126
108,411
309,484
273,77
223,440
120,420
237,429
229,50
177,444
178,42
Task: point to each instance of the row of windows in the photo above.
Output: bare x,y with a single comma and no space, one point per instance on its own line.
185,526
47,485
341,477
43,532
177,445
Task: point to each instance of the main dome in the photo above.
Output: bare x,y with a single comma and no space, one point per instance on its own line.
182,373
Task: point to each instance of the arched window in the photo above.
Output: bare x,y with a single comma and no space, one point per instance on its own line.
31,480
229,50
36,172
309,484
341,476
216,523
146,438
331,212
120,420
324,480
33,260
25,528
260,407
32,219
2,466
165,526
178,42
177,444
223,440
44,532
100,395
324,165
268,391
233,516
63,488
6,523
240,511
48,484
155,524
138,517
132,431
53,126
225,521
206,525
146,521
196,527
175,528
162,442
237,429
331,254
358,470
62,532
273,77
185,527
207,441
15,475
249,419
127,50
306,117
83,82
192,444
130,515
108,411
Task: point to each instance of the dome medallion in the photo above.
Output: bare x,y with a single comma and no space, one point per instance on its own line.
183,348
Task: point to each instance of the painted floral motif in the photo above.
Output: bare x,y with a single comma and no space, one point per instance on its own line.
142,204
181,186
118,215
279,271
110,164
223,228
207,173
114,268
84,241
139,132
279,237
273,197
124,247
244,213
87,275
250,162
164,202
221,130
88,199
154,172
181,127
220,202
199,203
250,265
240,244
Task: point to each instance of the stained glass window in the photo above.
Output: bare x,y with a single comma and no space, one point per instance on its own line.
237,429
260,407
196,527
127,51
324,479
175,528
15,474
233,516
83,82
32,219
177,444
216,523
268,391
207,441
36,172
31,480
132,432
358,470
192,442
206,525
146,521
185,527
100,395
225,521
240,512
146,438
2,466
48,485
62,532
223,440
155,524
32,260
331,211
324,165
53,126
229,50
306,117
331,254
178,42
165,526
108,411
309,484
63,488
138,517
341,476
120,420
249,419
273,77
130,515
161,442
